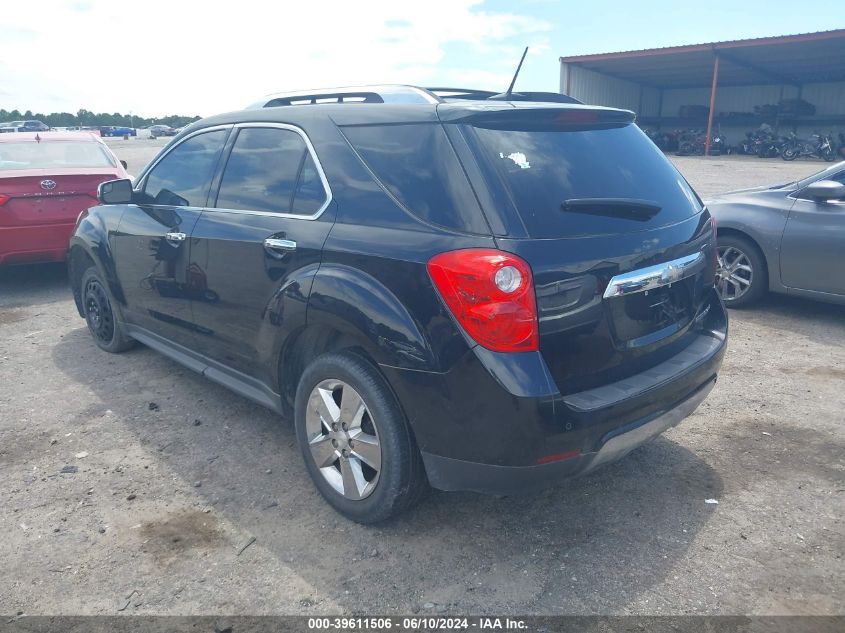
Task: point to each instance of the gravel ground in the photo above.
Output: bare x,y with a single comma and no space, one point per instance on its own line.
131,485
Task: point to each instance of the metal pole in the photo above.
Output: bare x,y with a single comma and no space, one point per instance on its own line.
712,104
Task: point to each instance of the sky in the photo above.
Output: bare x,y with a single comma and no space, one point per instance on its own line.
160,57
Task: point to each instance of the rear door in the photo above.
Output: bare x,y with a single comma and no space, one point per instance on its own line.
257,247
620,247
152,242
814,244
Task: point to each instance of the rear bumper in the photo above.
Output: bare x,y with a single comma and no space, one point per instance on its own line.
454,474
478,431
35,243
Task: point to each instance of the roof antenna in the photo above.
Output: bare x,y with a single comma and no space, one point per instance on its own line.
516,74
507,95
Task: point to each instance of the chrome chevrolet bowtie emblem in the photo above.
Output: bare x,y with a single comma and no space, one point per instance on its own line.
670,274
48,184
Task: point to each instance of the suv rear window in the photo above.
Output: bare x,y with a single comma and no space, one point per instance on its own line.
417,165
606,175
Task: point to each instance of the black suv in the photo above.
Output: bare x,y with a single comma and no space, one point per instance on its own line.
462,292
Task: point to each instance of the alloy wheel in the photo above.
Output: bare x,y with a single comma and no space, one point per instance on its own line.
734,274
343,439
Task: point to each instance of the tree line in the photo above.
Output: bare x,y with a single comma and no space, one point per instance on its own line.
90,119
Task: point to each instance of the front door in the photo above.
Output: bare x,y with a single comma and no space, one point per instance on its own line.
813,244
152,242
259,244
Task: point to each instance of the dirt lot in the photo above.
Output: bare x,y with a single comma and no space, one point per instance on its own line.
130,485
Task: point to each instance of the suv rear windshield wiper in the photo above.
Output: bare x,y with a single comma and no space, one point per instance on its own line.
627,208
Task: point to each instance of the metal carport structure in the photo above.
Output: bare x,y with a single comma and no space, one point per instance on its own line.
774,67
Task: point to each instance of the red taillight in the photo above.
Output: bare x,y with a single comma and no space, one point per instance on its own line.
491,294
3,199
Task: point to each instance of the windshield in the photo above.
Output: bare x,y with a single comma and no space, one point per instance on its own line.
566,183
51,154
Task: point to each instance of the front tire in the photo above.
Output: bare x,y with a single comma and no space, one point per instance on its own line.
103,322
355,440
741,275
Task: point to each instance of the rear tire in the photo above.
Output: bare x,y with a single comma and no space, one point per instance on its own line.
742,276
789,154
103,320
355,440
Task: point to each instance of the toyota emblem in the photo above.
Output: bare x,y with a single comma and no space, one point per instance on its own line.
48,184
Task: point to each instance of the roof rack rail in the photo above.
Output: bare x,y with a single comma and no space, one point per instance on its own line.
400,94
348,94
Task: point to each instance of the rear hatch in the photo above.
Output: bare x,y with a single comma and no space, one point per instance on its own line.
43,196
620,246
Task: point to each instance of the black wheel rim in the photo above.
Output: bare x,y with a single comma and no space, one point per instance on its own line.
98,312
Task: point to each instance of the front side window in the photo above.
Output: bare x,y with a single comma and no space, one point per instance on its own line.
271,170
182,178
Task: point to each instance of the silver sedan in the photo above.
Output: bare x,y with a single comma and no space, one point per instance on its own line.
787,238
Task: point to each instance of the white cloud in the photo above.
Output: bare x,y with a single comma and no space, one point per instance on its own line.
161,57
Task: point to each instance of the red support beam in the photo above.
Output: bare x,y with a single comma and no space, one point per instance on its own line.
712,104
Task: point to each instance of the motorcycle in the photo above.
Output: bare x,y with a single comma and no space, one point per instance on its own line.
817,146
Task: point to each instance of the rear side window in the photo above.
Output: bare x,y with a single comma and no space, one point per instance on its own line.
271,170
417,165
182,178
575,182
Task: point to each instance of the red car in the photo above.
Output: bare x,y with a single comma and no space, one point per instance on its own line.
46,180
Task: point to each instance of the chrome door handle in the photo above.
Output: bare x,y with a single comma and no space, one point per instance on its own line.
175,238
278,247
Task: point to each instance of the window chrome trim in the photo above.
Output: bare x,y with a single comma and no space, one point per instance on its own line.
258,124
142,179
664,274
322,174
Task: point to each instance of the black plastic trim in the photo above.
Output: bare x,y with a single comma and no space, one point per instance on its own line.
234,380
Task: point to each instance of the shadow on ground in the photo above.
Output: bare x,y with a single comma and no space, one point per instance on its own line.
592,544
32,285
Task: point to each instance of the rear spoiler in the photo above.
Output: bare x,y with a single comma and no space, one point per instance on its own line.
527,118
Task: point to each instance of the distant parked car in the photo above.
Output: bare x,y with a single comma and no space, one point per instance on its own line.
24,126
46,181
117,130
785,238
161,130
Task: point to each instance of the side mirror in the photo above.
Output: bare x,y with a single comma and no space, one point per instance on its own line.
115,192
125,166
825,190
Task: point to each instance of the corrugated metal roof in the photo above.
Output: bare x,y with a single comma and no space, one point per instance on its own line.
785,59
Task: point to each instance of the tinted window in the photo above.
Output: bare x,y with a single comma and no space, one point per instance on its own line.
183,176
417,164
310,194
262,172
544,169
